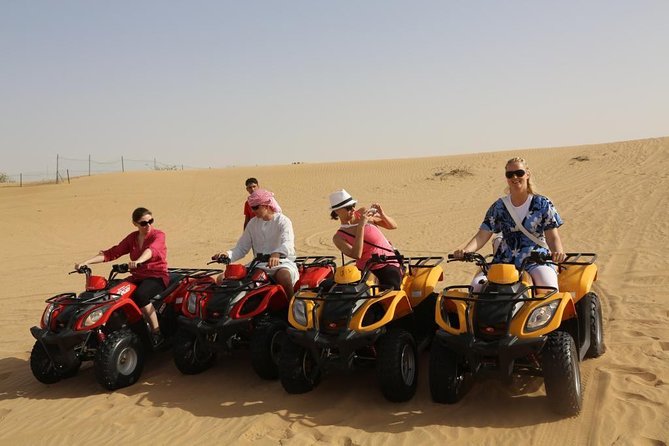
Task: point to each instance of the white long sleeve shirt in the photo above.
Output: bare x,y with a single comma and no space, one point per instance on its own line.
266,237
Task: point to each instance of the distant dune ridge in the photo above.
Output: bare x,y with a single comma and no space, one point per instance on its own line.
613,199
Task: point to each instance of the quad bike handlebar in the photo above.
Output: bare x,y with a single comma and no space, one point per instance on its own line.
84,269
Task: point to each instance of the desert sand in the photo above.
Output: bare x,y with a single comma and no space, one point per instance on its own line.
612,197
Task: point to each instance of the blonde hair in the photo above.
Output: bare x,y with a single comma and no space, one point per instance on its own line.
530,184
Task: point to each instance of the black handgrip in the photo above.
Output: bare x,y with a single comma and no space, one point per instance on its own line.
121,268
222,259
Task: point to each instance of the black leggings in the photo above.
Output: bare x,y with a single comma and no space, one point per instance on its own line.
390,277
146,290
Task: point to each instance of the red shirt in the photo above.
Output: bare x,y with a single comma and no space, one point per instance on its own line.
156,266
248,212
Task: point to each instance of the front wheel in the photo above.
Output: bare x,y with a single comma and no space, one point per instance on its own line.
562,374
45,370
265,344
298,369
190,354
120,360
449,378
397,365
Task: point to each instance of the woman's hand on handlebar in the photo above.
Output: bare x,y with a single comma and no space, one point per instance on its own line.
459,254
558,257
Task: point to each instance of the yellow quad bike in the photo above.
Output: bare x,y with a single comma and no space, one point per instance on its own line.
350,323
512,327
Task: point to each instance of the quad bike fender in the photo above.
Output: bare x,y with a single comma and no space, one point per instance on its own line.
564,309
128,307
395,303
444,306
421,283
309,306
312,277
255,302
577,280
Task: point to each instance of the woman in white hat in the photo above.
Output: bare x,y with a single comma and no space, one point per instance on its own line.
359,237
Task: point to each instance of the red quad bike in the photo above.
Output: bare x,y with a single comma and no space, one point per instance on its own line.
512,327
104,325
248,309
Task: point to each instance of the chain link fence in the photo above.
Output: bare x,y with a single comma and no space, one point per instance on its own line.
67,168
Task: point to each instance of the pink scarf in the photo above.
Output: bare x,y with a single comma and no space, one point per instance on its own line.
262,197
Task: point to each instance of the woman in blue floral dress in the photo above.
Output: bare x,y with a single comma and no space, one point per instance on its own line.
537,215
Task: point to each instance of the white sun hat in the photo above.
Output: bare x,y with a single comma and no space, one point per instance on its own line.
341,199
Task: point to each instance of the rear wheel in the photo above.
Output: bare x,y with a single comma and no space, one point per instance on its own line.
449,378
265,345
298,369
562,375
191,356
45,370
397,365
120,360
596,327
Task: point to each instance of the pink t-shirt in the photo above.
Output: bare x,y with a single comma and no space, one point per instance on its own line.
155,267
372,235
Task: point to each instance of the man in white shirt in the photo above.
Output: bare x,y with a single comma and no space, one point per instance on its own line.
269,232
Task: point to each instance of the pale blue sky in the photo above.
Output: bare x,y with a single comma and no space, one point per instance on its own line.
219,83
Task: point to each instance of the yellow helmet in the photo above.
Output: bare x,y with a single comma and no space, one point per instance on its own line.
347,274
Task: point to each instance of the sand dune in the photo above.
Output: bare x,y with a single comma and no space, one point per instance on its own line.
612,197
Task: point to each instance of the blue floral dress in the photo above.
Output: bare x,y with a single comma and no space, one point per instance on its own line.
515,246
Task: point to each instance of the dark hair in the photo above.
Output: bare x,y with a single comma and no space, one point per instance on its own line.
139,213
250,181
334,216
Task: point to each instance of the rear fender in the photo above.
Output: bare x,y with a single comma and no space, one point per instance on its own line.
421,283
565,307
271,297
395,303
577,280
444,306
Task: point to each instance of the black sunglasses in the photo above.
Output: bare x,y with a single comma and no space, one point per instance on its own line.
255,208
145,223
517,173
350,208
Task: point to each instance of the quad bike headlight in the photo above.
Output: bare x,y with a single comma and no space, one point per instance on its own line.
94,316
300,311
191,303
46,317
541,316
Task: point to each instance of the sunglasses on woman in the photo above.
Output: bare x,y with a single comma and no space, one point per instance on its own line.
146,223
515,173
350,208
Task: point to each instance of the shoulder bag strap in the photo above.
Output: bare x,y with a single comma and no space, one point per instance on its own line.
519,224
365,241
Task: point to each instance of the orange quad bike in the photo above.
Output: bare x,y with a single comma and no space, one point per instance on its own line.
512,327
104,325
350,323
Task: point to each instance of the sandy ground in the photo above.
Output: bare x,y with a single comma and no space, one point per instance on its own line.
612,197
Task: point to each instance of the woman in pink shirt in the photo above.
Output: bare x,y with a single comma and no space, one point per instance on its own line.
359,237
148,264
